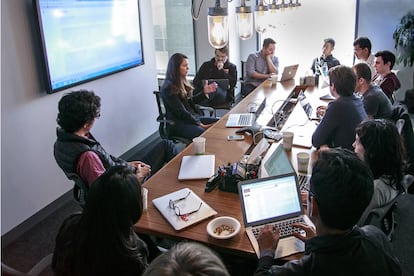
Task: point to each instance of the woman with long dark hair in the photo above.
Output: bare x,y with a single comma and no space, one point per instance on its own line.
177,94
101,240
378,143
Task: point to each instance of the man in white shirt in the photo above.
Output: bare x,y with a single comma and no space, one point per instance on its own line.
362,51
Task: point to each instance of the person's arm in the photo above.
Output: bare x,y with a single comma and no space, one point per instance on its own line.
324,132
251,69
202,74
371,106
272,64
89,167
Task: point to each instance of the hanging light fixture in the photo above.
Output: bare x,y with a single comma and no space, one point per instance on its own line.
260,17
273,7
218,28
244,20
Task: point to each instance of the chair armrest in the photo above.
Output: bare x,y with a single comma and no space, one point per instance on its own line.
164,120
211,111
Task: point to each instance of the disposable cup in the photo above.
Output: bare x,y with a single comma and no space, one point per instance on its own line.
144,198
303,162
199,144
287,140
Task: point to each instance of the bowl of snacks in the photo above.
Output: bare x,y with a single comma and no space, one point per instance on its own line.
223,227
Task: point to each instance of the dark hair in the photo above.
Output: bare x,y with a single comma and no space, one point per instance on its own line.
363,71
387,56
363,43
105,237
342,185
173,75
224,50
267,42
188,259
344,79
77,108
330,41
384,149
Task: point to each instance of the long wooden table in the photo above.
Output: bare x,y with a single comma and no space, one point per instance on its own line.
166,180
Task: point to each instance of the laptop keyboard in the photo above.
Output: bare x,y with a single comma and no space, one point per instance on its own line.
244,119
285,228
303,182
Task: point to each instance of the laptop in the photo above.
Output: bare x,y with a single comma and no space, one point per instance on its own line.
277,162
196,167
289,72
245,119
273,200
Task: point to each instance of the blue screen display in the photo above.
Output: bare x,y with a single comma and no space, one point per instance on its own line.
88,39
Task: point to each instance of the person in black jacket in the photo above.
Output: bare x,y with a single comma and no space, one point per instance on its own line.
218,67
341,187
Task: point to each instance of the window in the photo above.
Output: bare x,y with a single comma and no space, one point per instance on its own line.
299,32
173,32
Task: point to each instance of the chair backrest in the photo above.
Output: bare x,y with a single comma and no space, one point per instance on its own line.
80,189
400,113
165,123
35,271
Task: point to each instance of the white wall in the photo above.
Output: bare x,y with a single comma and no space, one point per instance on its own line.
30,178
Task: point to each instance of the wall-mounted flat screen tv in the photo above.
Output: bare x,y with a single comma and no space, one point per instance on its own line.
82,40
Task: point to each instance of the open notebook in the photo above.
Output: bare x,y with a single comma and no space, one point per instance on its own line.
183,208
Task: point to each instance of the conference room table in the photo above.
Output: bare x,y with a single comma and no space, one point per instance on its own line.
166,181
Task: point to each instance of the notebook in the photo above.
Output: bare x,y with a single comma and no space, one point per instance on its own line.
273,200
196,167
277,162
289,72
186,202
245,119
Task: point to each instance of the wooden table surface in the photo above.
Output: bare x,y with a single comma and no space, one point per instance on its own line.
166,180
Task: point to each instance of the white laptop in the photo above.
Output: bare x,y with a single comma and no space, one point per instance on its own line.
196,167
277,162
273,200
289,72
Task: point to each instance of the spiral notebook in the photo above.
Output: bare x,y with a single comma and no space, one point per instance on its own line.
186,209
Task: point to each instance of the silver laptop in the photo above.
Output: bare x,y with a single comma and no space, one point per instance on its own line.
289,72
277,162
245,119
274,200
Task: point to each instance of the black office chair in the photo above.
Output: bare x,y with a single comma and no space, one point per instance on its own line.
165,123
243,75
402,119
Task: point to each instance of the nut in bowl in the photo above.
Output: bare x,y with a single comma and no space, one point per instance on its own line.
223,227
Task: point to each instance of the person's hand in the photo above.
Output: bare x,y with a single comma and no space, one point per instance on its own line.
143,170
220,65
210,88
268,238
205,126
309,231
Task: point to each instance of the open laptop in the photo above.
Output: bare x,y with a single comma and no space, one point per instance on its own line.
273,200
245,119
289,72
277,162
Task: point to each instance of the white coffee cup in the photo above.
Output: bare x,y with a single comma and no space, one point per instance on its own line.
273,77
199,144
287,140
303,161
268,83
144,193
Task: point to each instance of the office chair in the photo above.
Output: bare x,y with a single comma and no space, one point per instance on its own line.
243,75
35,271
165,123
403,122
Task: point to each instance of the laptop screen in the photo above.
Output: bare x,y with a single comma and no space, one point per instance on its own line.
276,162
270,199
